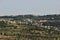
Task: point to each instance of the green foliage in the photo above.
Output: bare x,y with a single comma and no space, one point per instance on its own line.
51,24
2,24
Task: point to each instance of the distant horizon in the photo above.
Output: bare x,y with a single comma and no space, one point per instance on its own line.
34,7
30,14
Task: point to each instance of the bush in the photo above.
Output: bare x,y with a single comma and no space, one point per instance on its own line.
2,24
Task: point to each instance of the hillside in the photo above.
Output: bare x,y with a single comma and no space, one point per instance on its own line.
30,27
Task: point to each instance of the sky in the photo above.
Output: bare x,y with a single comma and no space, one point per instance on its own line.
34,7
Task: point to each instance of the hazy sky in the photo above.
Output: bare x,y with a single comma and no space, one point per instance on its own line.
35,7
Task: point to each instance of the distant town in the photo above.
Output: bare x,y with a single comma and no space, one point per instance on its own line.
47,20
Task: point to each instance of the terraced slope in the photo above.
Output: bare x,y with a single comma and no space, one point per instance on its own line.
27,32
